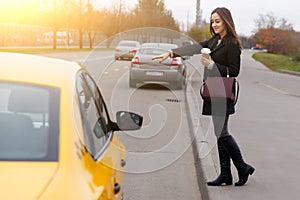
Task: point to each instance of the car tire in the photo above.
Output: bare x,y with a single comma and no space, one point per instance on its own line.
132,83
184,80
177,85
182,83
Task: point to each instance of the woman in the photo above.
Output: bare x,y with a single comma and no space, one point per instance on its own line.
224,59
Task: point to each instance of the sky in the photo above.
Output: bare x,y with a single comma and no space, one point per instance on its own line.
244,12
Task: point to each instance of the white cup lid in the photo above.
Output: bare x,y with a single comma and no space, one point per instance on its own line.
205,51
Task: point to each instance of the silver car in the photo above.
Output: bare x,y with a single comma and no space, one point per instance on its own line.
126,49
143,69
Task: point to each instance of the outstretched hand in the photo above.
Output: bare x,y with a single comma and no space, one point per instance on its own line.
162,57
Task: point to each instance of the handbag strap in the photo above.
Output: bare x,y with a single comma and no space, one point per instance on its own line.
237,87
201,89
237,91
227,72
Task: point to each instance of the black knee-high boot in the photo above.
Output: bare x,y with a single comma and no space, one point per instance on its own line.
244,169
225,175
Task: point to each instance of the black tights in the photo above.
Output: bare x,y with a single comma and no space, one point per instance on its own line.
220,125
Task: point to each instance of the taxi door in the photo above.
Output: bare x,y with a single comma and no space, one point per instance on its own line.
105,157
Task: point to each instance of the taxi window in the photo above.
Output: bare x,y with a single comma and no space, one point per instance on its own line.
29,121
98,100
93,121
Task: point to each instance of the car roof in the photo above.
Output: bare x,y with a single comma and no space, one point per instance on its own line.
36,69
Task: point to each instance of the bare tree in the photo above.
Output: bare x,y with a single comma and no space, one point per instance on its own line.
285,25
266,21
153,13
270,21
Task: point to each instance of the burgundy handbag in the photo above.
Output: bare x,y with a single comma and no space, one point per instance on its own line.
219,89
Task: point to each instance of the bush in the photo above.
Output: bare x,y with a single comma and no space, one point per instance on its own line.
279,41
297,58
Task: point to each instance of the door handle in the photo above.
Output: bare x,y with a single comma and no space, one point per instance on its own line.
123,163
117,188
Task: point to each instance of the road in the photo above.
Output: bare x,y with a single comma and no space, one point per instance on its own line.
160,159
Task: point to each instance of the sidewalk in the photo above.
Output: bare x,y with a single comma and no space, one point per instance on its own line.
266,127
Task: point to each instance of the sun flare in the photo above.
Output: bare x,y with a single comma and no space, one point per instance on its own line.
22,11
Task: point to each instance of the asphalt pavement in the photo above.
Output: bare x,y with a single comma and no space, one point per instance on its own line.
265,125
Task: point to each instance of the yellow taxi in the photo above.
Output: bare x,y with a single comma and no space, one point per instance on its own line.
56,137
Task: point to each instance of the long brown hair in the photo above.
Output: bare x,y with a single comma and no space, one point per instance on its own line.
231,35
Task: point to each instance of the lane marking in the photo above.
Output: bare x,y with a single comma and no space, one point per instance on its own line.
275,89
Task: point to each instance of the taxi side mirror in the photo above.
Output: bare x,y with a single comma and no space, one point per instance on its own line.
128,121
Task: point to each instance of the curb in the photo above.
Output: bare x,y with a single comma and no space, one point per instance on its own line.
203,144
199,170
288,72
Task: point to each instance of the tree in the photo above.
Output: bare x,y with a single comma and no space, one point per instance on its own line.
277,41
199,34
73,13
285,25
266,21
269,21
153,13
92,23
276,35
110,24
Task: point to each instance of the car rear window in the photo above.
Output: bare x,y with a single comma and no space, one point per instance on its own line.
29,121
152,51
164,46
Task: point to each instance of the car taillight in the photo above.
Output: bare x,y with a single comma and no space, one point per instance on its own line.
134,51
175,62
135,60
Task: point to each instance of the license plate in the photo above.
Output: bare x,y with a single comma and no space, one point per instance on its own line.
154,73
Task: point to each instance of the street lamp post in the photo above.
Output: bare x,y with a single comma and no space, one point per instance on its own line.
198,14
80,24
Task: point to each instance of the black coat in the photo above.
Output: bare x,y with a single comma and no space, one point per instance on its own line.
225,55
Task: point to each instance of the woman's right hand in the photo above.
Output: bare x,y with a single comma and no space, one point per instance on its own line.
162,57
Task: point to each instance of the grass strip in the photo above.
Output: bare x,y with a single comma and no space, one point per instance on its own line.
276,61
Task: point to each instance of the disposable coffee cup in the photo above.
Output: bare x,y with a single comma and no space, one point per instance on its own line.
205,52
